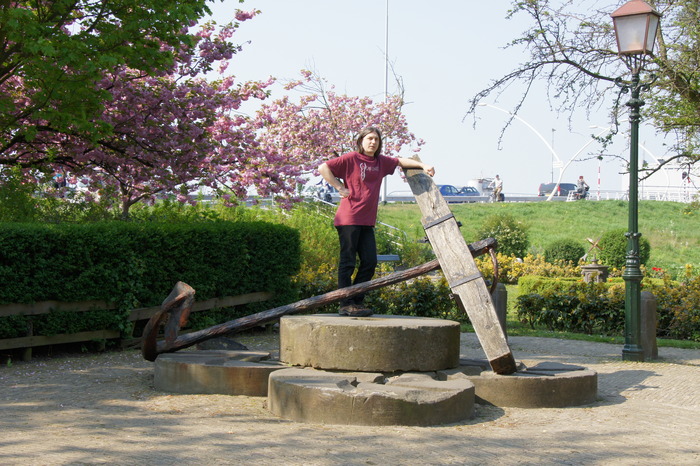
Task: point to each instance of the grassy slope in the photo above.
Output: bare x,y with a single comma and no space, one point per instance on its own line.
673,235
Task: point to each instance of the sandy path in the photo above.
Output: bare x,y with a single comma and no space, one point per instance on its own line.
96,409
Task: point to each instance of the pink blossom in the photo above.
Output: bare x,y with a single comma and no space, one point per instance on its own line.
245,15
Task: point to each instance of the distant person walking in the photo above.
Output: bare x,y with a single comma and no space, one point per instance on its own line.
361,172
497,185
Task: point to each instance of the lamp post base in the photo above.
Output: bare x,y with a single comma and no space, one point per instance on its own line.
633,353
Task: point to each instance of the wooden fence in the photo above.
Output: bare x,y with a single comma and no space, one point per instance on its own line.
30,340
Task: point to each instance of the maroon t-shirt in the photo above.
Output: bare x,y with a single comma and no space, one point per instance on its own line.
363,177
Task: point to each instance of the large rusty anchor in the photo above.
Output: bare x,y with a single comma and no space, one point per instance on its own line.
177,306
173,313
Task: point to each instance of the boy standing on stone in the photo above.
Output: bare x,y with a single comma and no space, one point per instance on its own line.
361,172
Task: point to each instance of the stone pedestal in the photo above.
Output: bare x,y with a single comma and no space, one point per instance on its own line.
381,343
534,385
648,326
215,372
500,303
378,370
372,399
594,272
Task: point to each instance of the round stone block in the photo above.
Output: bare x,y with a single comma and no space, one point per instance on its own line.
544,385
215,372
380,343
314,396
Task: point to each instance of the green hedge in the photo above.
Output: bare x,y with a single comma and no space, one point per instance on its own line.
570,304
422,297
575,306
541,285
137,265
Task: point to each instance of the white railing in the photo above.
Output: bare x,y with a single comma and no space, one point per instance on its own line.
645,194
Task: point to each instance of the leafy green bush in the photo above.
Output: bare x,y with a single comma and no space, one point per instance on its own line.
547,285
571,305
579,307
424,296
137,264
17,201
677,307
510,234
564,250
511,268
613,245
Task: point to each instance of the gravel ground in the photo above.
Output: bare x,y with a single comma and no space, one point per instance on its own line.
102,408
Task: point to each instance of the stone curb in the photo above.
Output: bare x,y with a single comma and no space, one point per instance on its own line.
314,396
215,372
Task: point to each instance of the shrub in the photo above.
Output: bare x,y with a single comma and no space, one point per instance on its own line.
17,201
511,268
136,265
426,296
574,306
571,305
547,285
564,250
613,245
678,307
510,233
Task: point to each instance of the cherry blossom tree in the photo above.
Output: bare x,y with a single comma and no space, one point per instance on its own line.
177,127
171,133
53,52
300,135
168,133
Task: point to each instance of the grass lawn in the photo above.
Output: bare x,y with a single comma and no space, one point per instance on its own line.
671,227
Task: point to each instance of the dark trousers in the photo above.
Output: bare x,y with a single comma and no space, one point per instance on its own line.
356,241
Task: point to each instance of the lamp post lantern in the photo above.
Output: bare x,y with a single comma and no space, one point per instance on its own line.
635,25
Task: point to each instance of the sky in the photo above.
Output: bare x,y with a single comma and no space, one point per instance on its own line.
445,52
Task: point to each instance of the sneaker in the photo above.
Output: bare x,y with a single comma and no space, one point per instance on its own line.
345,310
358,310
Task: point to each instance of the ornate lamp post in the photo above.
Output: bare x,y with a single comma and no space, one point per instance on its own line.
635,25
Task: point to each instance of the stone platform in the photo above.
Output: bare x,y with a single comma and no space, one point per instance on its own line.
215,372
379,370
365,398
382,343
540,385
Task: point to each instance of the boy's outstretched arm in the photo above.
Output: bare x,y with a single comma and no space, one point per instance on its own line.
410,163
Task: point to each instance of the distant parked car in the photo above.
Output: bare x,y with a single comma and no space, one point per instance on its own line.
455,195
468,191
563,190
448,190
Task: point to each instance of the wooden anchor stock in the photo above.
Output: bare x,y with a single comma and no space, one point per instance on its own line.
176,307
460,270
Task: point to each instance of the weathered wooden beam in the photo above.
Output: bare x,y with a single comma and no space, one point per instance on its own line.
460,270
237,325
144,313
39,340
44,307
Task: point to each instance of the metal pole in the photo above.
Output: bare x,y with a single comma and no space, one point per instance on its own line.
552,180
632,275
600,160
386,84
386,53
